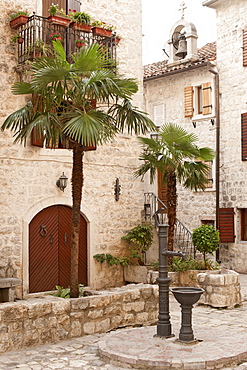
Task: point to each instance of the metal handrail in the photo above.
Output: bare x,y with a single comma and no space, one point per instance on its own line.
39,30
157,210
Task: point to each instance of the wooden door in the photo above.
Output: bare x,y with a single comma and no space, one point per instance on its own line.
49,249
162,189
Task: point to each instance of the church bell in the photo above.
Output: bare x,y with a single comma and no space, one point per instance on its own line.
182,48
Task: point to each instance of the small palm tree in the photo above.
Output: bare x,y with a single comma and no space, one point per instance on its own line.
178,158
63,108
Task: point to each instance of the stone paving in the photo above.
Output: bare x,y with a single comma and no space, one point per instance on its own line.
82,353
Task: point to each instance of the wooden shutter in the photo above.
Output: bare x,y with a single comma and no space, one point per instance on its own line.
226,225
188,101
47,4
245,47
206,98
244,136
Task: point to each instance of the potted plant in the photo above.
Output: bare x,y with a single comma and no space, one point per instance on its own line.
100,28
80,42
58,16
56,36
206,240
17,38
18,19
81,21
39,48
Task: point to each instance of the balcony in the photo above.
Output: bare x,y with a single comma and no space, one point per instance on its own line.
37,34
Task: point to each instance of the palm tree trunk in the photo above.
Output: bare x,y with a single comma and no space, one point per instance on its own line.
77,183
172,207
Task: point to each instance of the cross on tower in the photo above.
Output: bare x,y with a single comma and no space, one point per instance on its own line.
182,8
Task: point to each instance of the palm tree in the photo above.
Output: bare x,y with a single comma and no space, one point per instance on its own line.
178,158
64,108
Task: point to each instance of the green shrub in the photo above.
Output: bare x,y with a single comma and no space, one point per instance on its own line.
65,292
180,265
206,239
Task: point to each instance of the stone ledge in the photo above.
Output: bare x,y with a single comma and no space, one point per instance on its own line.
49,319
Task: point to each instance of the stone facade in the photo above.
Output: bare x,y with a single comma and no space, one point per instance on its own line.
231,21
29,174
51,319
168,92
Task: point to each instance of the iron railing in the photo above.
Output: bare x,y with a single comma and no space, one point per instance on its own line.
36,34
155,209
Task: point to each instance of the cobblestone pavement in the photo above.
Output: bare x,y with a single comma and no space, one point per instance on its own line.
82,353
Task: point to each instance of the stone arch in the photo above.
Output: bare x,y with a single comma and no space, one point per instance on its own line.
28,216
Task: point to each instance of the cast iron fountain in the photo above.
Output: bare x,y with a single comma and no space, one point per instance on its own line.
186,296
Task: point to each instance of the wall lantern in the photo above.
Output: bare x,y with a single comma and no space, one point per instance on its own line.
117,189
62,182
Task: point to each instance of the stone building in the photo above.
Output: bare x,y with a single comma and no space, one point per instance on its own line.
35,213
207,96
182,90
232,68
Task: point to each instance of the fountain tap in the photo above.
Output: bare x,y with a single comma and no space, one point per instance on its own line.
174,253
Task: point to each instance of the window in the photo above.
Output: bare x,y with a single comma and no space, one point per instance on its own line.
244,136
209,175
245,47
198,100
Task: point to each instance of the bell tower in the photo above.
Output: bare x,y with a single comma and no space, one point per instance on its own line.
183,40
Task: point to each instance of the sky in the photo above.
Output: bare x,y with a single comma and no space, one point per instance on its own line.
159,16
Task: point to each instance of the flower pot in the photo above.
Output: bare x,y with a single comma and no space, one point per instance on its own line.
81,26
98,31
80,44
61,21
20,40
18,21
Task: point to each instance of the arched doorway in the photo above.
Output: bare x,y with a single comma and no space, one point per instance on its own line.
49,249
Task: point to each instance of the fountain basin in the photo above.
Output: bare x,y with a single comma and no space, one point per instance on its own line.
187,295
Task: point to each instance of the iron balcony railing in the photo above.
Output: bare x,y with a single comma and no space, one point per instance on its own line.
37,39
182,238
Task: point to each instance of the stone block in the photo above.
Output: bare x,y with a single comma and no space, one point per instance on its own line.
79,303
102,326
95,314
76,329
136,306
89,327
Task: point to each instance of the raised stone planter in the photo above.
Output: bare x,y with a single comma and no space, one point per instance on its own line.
136,274
222,288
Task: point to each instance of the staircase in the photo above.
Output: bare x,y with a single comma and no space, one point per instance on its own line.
155,209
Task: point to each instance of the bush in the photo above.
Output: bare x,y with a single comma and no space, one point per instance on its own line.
206,239
180,265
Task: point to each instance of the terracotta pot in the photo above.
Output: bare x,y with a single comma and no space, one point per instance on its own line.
81,26
80,44
20,40
98,31
18,21
61,21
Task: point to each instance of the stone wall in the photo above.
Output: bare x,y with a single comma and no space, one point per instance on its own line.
231,20
50,319
168,92
28,174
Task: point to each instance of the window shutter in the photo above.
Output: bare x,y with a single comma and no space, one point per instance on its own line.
47,4
244,136
226,225
188,101
206,98
245,47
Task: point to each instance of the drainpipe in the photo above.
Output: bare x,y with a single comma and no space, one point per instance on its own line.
217,161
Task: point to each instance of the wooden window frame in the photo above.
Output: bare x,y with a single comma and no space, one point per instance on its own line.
226,225
244,136
245,47
198,100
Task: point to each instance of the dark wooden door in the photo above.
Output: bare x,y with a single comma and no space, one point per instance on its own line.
162,189
49,249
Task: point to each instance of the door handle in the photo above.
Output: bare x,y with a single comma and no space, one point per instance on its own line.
65,238
51,239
